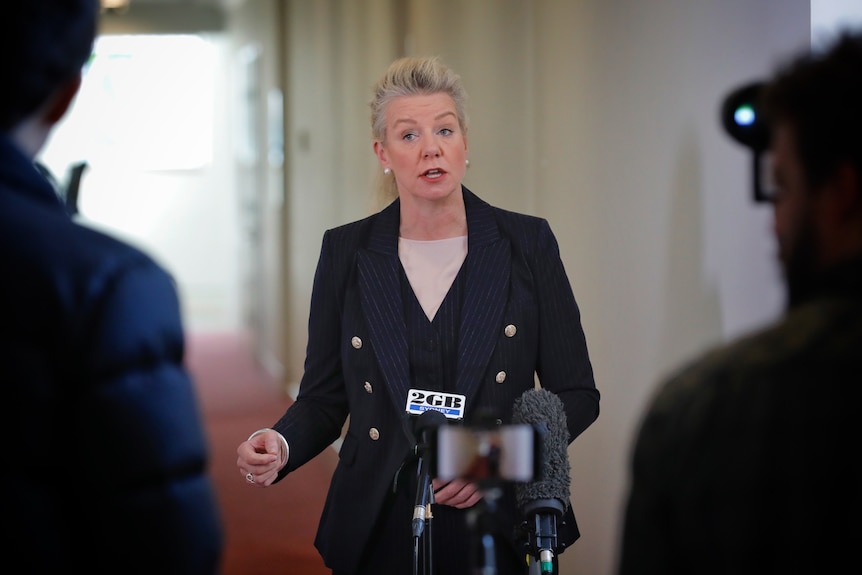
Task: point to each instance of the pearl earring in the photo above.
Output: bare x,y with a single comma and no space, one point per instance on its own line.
467,162
387,171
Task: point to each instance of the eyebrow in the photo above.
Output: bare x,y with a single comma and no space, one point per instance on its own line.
437,117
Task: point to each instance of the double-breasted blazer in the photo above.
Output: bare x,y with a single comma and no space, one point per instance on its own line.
357,360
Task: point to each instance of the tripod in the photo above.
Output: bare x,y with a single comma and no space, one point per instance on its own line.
481,522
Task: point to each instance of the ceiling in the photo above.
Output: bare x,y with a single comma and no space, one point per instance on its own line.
164,16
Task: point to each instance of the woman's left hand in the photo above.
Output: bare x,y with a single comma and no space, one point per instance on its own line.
458,493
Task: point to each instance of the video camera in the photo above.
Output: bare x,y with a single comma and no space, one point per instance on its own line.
743,118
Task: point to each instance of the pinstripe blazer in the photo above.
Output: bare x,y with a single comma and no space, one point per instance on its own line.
357,355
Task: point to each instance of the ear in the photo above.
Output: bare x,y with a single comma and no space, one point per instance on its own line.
838,213
59,104
845,195
380,152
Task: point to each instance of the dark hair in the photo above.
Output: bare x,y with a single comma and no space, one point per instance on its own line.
819,95
43,45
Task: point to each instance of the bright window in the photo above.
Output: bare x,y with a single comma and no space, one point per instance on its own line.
146,103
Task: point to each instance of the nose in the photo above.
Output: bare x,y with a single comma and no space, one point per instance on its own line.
431,149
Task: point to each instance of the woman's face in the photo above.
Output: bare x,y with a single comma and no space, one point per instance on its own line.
424,146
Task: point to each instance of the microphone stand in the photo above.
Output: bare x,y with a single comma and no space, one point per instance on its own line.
422,517
542,532
425,426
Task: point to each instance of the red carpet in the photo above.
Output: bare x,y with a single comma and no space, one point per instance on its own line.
269,530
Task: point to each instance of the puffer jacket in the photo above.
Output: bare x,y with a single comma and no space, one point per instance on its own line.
105,466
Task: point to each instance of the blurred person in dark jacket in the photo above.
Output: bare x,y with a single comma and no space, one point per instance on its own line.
106,462
747,461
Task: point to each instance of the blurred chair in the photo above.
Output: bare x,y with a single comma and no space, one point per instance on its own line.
69,191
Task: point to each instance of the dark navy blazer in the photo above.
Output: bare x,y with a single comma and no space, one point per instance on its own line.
357,355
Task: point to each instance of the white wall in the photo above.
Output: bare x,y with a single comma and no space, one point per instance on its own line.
827,16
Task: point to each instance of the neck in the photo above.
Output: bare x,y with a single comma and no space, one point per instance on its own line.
839,236
435,220
30,135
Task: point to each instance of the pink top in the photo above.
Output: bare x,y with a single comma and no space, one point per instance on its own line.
431,267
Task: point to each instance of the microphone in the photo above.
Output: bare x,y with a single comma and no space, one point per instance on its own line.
544,500
425,425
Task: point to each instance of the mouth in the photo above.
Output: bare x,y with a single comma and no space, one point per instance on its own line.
433,173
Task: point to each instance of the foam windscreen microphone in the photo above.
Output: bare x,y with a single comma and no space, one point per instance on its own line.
544,500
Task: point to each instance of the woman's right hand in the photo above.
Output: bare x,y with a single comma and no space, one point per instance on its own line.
261,457
458,493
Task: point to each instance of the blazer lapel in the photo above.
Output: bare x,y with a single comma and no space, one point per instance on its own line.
488,267
380,294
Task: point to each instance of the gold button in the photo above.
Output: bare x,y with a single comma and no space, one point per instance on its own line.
501,377
511,330
368,387
374,434
356,342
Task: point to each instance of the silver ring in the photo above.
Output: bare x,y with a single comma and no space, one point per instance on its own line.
249,477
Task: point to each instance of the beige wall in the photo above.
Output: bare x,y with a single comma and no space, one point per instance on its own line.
600,116
256,71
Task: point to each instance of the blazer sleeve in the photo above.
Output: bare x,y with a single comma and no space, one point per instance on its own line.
317,416
563,365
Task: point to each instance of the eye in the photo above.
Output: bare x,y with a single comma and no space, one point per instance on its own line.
409,136
447,132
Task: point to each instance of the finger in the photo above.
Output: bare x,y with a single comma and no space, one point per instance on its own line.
438,484
447,495
452,488
265,479
261,465
262,479
471,501
273,443
262,460
248,476
267,442
264,444
262,471
443,494
461,498
249,456
460,494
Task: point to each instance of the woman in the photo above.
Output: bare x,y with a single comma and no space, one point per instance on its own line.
438,291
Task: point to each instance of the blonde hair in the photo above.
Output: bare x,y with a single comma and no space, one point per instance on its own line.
410,76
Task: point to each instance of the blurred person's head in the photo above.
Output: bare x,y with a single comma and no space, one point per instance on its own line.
414,76
45,44
814,106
